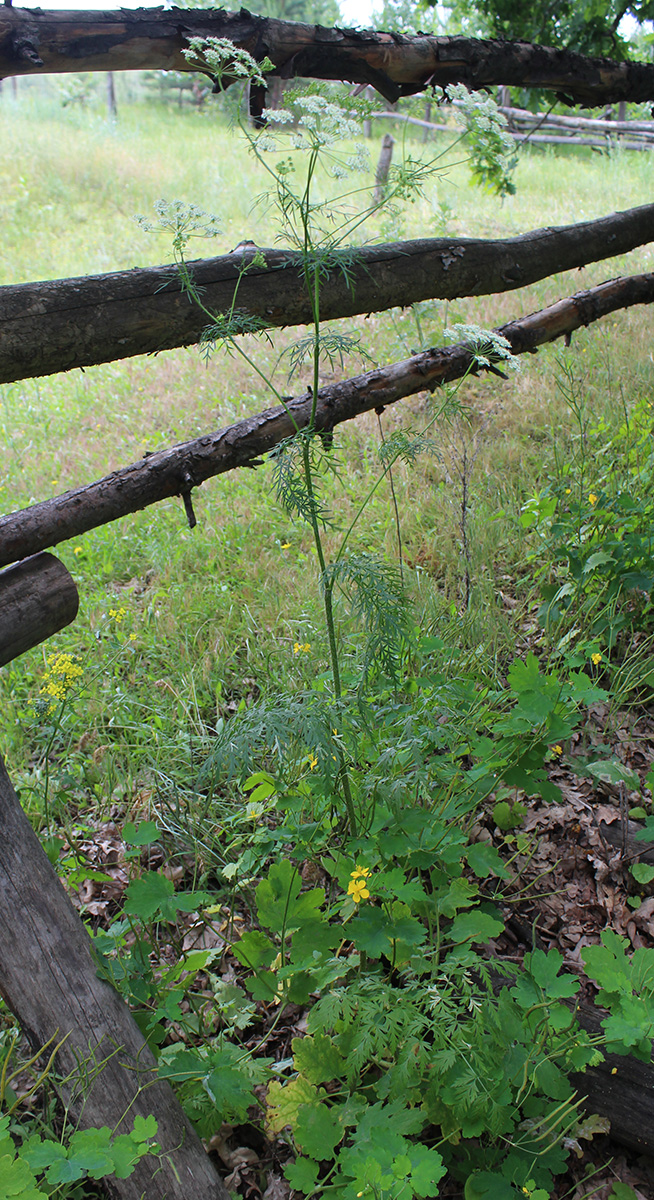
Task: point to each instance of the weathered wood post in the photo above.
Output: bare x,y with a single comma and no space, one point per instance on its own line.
106,1073
383,167
38,597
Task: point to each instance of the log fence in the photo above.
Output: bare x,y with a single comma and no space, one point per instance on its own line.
47,973
527,128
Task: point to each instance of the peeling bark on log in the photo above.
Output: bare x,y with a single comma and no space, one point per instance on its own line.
49,980
176,471
61,324
38,597
37,41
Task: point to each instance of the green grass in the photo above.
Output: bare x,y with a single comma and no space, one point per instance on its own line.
215,613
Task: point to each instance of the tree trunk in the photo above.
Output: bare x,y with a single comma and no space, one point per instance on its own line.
36,41
38,597
49,980
61,324
177,471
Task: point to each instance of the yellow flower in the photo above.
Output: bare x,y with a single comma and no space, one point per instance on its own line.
301,648
118,614
77,550
312,761
568,491
62,675
285,545
360,871
596,659
357,890
132,637
592,498
557,749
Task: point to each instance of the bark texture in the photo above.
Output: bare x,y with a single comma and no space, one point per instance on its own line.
49,980
60,324
37,41
178,470
38,597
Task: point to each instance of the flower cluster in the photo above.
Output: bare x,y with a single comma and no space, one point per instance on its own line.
486,345
301,648
358,885
596,659
62,675
118,614
313,121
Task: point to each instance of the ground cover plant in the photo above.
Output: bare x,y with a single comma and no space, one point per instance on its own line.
296,816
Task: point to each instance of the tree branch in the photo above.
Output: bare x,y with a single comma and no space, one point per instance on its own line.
61,324
174,472
34,41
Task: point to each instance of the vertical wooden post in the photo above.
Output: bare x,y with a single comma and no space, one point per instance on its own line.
49,980
383,167
112,107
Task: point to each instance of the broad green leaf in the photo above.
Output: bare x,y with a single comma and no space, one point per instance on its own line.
280,904
525,676
552,1081
17,1181
427,1169
228,1087
642,872
89,1152
459,893
317,1131
486,1186
284,1102
314,938
544,969
622,1191
613,771
143,834
608,965
302,1175
485,860
41,1153
255,950
369,931
598,559
149,896
317,1058
475,926
127,1149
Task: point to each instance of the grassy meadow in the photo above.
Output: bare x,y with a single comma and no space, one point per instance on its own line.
212,615
536,481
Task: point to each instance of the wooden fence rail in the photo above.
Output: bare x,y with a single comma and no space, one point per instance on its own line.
60,324
35,41
175,472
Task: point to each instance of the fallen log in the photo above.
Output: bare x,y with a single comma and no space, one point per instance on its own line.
644,128
175,472
106,1073
525,135
38,597
61,324
35,41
